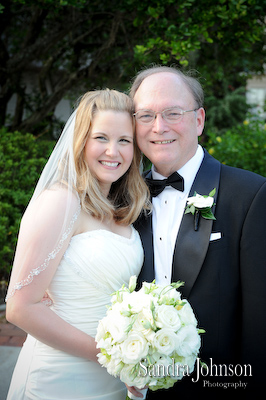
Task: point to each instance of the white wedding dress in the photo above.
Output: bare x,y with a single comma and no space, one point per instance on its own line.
96,264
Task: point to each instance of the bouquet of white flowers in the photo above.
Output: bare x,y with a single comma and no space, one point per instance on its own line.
148,338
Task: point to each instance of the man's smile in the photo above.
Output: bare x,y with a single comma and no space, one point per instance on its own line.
163,141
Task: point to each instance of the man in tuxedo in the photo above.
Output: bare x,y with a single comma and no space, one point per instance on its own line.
222,262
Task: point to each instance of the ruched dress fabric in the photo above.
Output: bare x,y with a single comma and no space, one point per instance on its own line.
95,264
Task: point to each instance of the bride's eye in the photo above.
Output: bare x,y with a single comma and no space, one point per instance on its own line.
101,138
123,140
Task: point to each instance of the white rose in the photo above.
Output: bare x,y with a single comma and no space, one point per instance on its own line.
103,360
163,366
190,362
116,308
131,378
115,352
144,323
136,301
164,374
165,341
167,317
200,201
105,344
188,341
168,296
146,286
186,314
134,348
114,367
116,324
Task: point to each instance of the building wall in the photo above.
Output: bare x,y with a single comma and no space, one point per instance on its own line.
256,95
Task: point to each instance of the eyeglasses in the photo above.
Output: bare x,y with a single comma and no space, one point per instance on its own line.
170,115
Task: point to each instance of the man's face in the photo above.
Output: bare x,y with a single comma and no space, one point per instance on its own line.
168,146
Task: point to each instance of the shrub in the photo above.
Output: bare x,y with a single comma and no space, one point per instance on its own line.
22,157
225,112
243,146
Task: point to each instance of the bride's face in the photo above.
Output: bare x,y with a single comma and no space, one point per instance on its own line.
109,148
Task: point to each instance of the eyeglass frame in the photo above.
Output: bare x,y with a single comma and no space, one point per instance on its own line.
182,112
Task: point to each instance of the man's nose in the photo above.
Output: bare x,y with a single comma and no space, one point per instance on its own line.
159,125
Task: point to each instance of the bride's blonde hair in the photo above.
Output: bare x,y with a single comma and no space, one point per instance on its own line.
129,195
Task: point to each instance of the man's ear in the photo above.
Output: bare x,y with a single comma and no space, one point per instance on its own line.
200,120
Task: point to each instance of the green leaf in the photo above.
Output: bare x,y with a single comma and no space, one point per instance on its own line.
177,285
212,193
208,214
192,209
147,325
200,330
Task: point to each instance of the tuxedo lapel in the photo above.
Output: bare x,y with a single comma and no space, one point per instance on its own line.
191,246
144,227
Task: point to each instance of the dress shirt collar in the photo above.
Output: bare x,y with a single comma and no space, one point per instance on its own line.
188,171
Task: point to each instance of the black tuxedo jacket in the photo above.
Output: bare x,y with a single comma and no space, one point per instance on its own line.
225,279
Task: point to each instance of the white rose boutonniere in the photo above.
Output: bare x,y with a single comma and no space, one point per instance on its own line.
200,205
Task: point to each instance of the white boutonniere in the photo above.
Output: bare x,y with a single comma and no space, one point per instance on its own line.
200,205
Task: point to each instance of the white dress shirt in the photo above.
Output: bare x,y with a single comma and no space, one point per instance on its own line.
168,210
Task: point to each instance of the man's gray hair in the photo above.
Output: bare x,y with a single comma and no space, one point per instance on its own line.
192,83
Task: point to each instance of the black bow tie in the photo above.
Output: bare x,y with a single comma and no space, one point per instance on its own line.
156,186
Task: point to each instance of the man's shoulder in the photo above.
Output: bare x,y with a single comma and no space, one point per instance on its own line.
240,175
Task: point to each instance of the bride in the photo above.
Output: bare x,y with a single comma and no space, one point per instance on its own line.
76,246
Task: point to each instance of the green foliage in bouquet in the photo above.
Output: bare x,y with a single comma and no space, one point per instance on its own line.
242,146
22,158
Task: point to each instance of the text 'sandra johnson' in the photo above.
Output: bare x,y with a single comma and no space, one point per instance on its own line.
177,370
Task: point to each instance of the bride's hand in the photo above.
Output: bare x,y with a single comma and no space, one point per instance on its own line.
134,391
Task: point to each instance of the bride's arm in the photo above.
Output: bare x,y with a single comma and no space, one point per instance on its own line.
39,235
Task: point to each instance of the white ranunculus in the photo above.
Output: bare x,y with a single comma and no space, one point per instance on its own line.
168,317
134,348
165,341
186,314
200,201
188,341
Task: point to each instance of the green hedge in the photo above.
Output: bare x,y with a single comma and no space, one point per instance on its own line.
22,158
243,146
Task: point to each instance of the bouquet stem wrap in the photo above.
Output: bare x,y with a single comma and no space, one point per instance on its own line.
131,396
